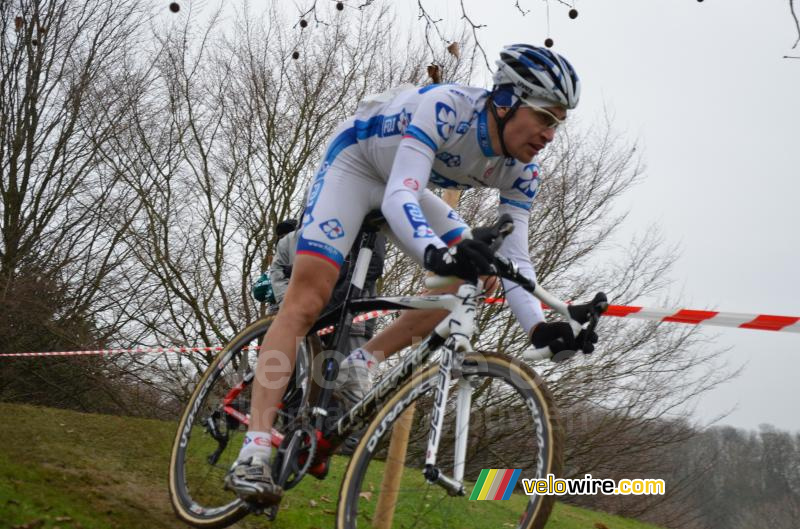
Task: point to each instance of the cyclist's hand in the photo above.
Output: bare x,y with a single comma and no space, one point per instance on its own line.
468,259
493,235
558,336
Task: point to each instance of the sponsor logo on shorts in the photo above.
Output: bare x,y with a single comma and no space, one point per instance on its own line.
313,196
332,229
323,169
418,222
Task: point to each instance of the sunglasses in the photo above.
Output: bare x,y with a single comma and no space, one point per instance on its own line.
547,118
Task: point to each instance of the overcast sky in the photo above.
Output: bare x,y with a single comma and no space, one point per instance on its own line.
705,90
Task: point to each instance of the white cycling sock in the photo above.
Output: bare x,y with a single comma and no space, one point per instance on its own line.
362,356
256,444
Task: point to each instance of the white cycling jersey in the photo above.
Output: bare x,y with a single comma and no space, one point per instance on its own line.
387,155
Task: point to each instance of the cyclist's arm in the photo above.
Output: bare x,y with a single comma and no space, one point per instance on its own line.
526,308
411,169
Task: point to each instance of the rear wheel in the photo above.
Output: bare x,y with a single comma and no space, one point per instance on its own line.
212,428
513,424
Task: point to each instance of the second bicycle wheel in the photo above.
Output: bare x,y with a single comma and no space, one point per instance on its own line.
212,428
513,424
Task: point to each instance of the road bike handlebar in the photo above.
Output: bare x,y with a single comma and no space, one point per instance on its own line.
581,317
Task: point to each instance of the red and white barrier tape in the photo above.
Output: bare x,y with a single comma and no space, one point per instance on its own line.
762,322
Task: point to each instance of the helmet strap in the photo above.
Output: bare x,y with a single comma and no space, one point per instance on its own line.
501,122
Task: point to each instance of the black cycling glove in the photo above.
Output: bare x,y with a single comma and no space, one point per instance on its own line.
562,342
468,259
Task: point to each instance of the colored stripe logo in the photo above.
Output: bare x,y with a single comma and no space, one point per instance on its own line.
495,484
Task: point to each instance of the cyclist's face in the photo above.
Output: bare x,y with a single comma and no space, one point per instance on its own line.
530,130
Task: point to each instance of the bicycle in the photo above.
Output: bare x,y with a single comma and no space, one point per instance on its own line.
499,415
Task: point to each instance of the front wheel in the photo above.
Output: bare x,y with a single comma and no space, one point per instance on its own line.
513,424
212,428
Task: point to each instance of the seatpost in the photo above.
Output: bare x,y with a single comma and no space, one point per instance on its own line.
357,275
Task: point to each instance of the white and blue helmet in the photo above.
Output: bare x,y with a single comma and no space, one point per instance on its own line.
538,73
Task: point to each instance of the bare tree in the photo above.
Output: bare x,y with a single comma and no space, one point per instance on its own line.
56,66
436,33
60,263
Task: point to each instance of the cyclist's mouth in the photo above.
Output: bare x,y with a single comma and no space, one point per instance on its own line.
536,147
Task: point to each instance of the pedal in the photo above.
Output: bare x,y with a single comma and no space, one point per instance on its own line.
271,512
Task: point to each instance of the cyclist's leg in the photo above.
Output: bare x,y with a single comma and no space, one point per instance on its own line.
327,234
310,287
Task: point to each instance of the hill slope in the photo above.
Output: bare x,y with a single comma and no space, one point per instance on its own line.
74,470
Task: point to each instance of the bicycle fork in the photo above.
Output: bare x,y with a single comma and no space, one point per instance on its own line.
457,329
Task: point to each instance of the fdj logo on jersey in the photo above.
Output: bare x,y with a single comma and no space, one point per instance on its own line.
395,124
417,220
332,229
528,183
445,120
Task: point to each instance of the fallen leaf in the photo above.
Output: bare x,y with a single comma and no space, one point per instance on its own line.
366,495
33,524
325,499
312,503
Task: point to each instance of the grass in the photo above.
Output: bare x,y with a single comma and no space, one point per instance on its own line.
63,469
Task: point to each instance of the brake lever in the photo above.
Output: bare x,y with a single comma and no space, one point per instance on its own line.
597,307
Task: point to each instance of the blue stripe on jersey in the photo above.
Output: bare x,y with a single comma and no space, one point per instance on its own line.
369,128
453,236
443,181
419,134
431,87
344,140
483,134
326,251
518,203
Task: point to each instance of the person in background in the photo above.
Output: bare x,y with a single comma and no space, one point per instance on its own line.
354,377
263,289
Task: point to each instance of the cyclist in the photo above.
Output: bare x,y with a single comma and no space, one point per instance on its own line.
386,155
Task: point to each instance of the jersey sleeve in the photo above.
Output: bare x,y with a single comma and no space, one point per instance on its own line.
432,125
516,200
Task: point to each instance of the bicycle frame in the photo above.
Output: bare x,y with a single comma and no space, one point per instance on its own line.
452,335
